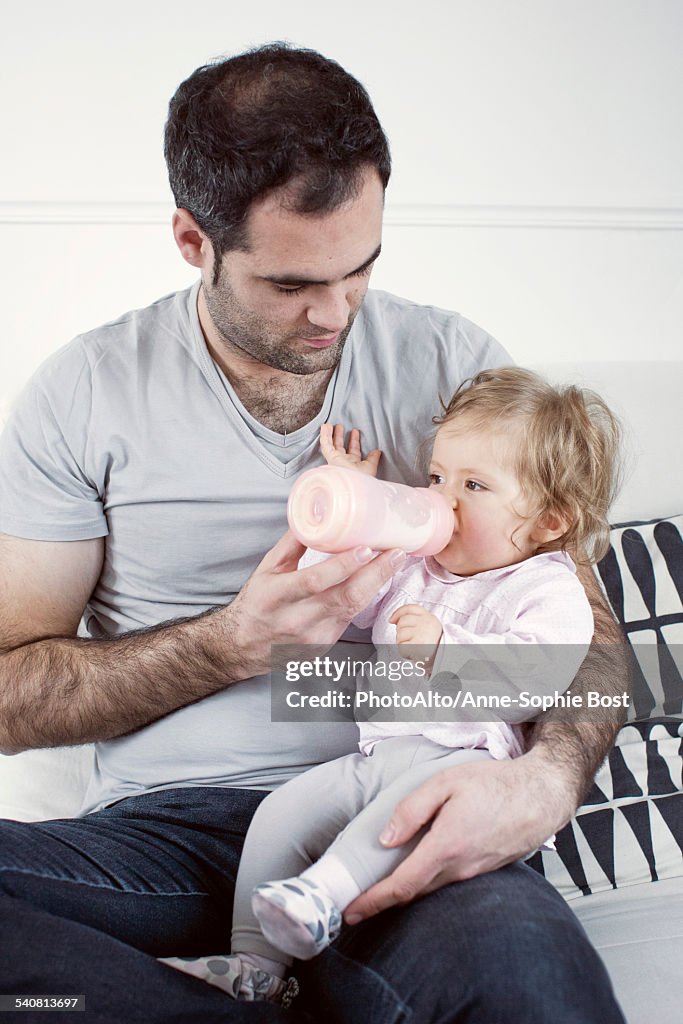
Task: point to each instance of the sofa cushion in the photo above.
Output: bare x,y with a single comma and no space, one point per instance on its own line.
41,784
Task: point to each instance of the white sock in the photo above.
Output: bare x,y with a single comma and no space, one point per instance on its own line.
262,963
334,879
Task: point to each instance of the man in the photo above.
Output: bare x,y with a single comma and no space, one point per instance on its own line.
142,478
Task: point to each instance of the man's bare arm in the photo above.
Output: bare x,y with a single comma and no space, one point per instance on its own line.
574,747
56,688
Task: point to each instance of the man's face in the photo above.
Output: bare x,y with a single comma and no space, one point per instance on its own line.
290,301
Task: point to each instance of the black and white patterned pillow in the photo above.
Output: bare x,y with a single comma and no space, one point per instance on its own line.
642,575
630,827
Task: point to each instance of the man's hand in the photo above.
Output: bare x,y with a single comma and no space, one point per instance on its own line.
279,605
332,447
483,815
415,625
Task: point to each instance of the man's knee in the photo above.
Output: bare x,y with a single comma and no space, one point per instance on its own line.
500,947
538,970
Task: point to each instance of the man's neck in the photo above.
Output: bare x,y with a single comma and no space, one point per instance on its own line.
282,401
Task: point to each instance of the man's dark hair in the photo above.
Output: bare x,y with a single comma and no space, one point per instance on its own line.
240,127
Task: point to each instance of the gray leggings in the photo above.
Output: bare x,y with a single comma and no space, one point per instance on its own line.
341,806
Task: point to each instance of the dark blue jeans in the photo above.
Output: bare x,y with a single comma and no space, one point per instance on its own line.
87,905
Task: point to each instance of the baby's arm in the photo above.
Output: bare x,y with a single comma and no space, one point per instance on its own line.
332,447
540,649
537,653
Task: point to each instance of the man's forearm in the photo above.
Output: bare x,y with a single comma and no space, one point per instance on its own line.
576,747
575,742
71,690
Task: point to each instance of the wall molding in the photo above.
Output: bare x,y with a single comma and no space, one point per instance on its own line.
519,216
419,215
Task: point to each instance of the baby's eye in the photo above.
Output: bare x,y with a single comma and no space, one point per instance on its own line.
434,478
473,485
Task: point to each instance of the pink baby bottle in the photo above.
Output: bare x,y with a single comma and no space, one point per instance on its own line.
333,509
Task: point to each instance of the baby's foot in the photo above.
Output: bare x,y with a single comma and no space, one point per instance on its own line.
240,980
296,916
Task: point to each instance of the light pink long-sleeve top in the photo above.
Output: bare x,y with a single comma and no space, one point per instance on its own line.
539,601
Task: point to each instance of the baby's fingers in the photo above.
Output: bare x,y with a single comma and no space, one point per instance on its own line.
326,440
354,443
414,610
332,441
338,437
373,460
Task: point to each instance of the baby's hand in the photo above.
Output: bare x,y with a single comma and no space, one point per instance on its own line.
415,625
332,447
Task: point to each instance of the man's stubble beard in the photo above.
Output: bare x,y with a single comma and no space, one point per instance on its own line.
254,337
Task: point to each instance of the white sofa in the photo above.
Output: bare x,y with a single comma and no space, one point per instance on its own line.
639,928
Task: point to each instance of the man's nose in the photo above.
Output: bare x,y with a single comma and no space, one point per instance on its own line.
329,309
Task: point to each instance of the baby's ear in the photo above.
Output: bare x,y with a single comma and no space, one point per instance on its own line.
549,526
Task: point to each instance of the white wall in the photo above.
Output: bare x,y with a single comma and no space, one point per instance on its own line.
538,153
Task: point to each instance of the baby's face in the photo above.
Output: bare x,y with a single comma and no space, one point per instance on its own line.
473,469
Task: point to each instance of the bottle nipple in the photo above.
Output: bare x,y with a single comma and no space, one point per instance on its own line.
318,506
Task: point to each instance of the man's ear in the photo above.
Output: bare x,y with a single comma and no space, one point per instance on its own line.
194,246
549,526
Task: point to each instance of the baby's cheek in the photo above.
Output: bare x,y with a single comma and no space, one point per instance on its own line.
481,530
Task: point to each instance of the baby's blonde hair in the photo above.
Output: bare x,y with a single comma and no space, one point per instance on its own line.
567,458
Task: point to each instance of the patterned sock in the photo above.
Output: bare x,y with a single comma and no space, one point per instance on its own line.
296,916
262,963
237,977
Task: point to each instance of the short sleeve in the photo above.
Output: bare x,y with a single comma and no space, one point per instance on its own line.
45,492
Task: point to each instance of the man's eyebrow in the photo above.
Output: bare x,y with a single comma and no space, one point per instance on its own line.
292,281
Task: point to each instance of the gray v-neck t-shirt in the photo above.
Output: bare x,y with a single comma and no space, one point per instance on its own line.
132,433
